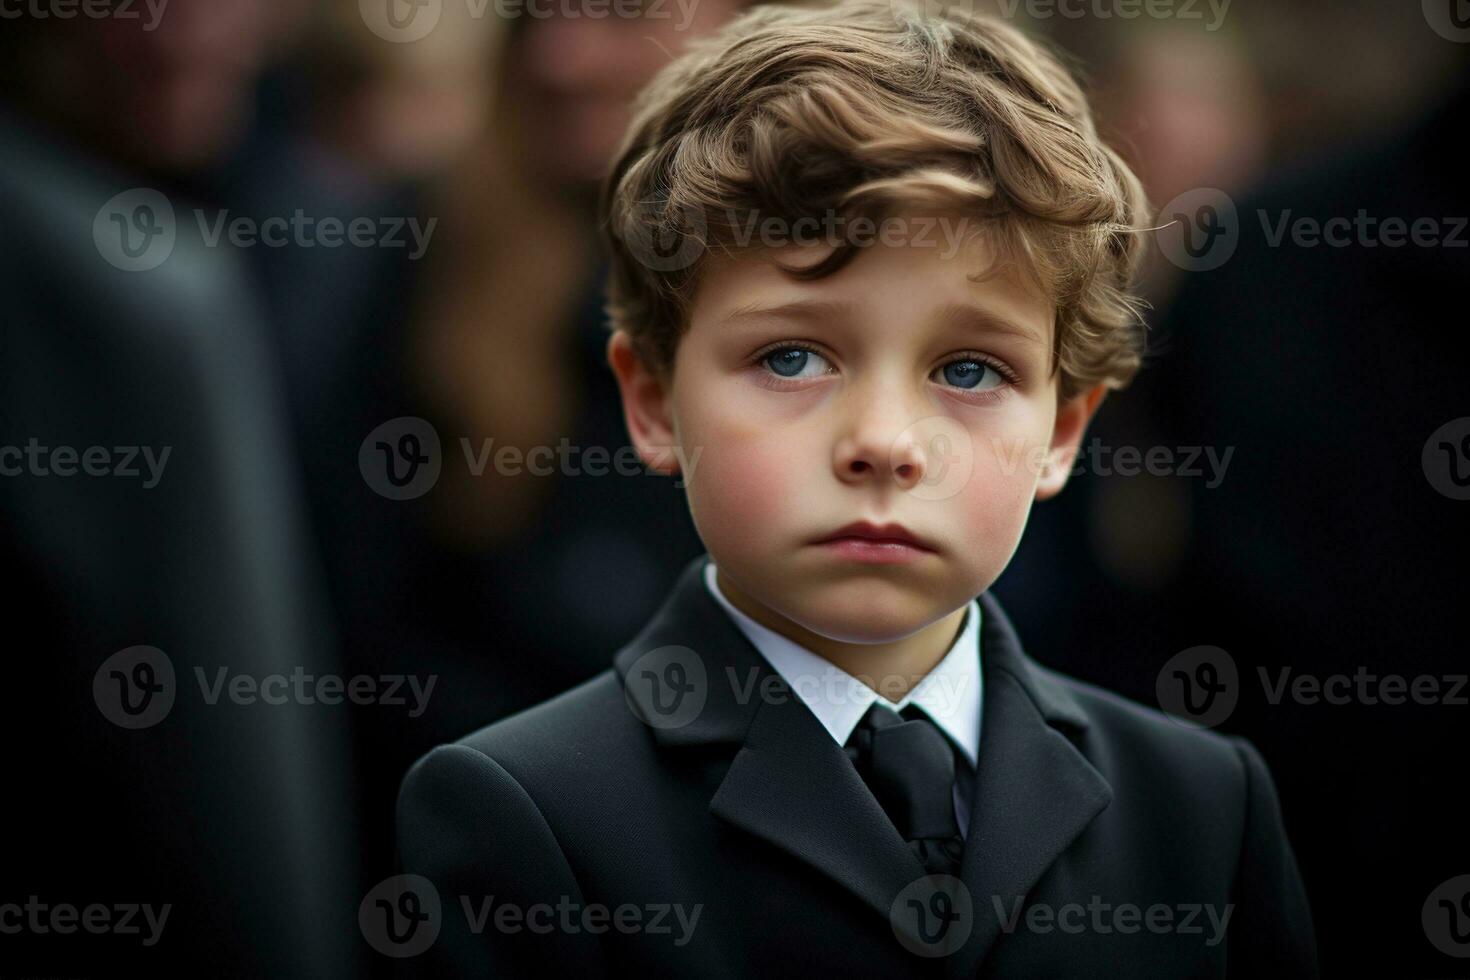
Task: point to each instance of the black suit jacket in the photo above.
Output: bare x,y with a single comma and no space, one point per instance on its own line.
738,803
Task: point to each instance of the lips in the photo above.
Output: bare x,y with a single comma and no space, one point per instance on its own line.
893,534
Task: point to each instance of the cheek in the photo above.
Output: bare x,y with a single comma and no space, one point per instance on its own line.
996,500
746,480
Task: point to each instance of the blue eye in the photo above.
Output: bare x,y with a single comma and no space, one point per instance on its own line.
791,362
970,373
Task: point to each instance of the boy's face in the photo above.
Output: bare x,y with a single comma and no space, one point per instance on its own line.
895,391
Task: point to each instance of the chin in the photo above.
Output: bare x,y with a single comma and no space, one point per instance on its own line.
867,621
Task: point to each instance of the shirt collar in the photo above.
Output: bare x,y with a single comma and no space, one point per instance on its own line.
950,694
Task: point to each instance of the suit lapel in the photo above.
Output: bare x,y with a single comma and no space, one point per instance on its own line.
792,785
1035,792
789,782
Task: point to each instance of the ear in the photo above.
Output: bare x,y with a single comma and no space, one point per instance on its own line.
645,406
1066,439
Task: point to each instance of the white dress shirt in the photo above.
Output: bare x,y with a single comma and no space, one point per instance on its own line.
950,694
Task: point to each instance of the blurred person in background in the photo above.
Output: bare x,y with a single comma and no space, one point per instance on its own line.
1195,102
507,582
492,132
232,825
1329,549
515,295
1323,549
1184,105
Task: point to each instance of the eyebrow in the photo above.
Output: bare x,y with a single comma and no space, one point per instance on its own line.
963,315
975,318
803,309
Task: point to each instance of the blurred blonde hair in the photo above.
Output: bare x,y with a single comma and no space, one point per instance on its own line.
861,108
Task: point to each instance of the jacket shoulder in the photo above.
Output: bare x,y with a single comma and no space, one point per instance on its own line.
1125,737
573,736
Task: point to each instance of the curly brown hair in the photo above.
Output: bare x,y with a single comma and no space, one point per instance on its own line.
864,107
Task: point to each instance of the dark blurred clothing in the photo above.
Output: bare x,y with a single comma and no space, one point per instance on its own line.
238,816
499,629
508,627
1327,548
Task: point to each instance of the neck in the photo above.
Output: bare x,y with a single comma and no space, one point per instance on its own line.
891,669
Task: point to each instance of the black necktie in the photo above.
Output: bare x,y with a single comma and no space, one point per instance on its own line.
909,765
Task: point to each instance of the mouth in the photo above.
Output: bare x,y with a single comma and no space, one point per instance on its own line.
877,543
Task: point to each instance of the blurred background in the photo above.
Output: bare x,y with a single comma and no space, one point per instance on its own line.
281,277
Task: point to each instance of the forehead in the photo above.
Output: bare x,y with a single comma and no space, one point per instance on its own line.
940,280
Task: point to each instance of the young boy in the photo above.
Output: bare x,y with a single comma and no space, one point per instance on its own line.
871,280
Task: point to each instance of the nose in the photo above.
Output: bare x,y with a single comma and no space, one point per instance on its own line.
879,441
